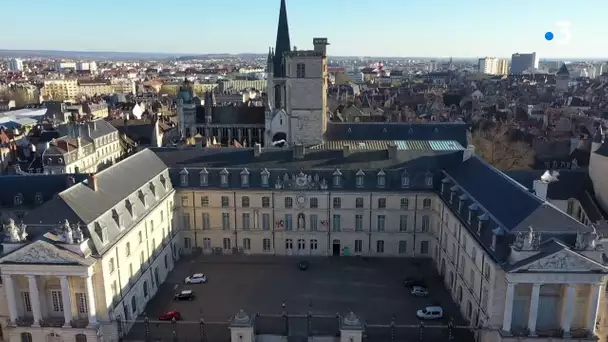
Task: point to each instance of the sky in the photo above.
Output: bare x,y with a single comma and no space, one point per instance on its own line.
390,28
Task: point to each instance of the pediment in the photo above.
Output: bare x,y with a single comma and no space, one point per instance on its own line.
42,252
563,261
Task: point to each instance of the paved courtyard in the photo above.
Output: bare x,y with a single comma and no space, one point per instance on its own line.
373,289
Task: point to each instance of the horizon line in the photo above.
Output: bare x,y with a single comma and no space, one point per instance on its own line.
180,54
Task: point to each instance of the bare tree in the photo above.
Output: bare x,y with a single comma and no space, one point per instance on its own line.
495,143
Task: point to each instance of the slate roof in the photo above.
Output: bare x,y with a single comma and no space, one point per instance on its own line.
31,185
96,209
506,200
397,131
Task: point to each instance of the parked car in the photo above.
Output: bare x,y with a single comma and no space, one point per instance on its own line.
170,315
411,282
184,295
430,312
303,265
419,291
197,278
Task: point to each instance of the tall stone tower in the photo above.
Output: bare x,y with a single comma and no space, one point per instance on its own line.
297,89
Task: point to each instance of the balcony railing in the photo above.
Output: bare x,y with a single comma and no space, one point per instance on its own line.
52,322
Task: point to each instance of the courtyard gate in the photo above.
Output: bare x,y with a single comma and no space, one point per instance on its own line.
147,330
301,325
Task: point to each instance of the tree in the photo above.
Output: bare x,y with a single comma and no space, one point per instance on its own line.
498,145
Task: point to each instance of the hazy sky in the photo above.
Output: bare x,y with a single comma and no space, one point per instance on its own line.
463,28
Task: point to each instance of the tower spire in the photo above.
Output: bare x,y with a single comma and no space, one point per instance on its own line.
282,44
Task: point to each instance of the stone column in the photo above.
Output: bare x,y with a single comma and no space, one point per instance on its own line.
67,301
249,137
9,287
508,315
34,299
230,136
239,134
260,136
594,306
92,311
351,328
569,308
241,328
533,312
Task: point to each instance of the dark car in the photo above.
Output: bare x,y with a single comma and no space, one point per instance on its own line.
184,295
411,282
303,265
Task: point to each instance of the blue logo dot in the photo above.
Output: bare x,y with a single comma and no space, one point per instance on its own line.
549,36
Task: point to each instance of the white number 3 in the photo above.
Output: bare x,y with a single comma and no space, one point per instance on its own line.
565,33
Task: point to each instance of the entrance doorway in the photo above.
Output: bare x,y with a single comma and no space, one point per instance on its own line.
336,248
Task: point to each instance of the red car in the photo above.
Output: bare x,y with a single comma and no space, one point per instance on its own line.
170,315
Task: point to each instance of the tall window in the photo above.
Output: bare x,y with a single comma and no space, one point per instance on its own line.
380,246
358,223
301,70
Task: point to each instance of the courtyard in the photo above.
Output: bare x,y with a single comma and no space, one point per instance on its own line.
372,289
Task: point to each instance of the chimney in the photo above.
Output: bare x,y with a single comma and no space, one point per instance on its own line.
298,151
468,153
92,182
540,188
346,150
70,181
392,151
257,149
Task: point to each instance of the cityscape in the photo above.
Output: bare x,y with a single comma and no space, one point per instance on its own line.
303,195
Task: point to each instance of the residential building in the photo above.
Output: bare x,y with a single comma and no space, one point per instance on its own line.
503,67
15,65
95,87
100,264
488,65
61,89
521,62
82,148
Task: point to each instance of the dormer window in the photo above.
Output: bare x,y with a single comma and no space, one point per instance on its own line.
204,177
245,178
493,245
360,179
453,191
428,179
405,179
265,178
18,200
129,207
381,179
99,231
152,189
163,181
462,198
142,198
482,218
473,207
183,177
224,177
116,218
38,198
337,176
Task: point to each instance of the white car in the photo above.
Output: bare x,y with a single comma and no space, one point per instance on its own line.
430,312
197,278
419,291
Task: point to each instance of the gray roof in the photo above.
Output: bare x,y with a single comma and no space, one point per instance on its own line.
453,131
93,129
34,189
116,184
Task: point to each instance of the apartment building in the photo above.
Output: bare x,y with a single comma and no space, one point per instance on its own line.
95,87
521,62
102,263
493,66
61,89
82,148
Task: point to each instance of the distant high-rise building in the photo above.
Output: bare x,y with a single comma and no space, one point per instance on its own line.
492,66
521,62
15,64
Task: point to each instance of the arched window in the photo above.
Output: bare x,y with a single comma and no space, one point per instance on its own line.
134,304
145,289
26,337
81,338
53,337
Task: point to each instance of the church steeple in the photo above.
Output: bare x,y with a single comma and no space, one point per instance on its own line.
283,44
